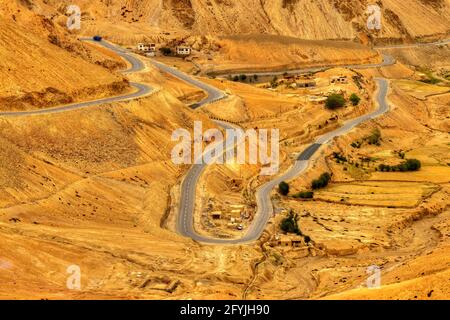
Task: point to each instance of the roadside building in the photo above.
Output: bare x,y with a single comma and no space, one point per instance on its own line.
148,48
184,51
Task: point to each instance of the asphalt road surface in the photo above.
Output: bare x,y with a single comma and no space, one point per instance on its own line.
136,65
185,221
387,61
213,94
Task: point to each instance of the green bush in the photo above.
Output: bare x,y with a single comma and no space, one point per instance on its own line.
322,182
290,224
413,164
374,138
408,165
304,195
243,77
335,101
283,188
166,51
339,157
355,99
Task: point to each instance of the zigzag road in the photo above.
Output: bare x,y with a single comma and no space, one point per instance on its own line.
136,65
185,219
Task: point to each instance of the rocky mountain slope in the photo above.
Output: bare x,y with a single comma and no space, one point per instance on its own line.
41,65
306,19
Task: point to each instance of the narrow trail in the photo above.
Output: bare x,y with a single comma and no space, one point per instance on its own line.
255,266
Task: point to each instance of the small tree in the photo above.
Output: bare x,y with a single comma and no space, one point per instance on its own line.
335,101
413,165
304,195
355,99
283,188
307,239
290,224
166,51
374,138
243,77
322,182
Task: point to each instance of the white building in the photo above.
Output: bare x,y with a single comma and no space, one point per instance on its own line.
183,51
144,47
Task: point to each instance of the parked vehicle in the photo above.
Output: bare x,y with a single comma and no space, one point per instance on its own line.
97,38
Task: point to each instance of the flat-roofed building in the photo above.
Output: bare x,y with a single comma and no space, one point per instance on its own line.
184,51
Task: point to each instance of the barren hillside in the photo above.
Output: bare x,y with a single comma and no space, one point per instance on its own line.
41,66
306,19
96,187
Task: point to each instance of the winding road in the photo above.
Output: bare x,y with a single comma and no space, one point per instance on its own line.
185,222
213,94
387,61
185,219
136,65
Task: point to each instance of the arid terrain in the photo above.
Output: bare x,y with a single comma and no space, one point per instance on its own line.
95,186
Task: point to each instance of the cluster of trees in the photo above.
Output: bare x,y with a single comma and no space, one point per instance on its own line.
335,101
244,78
290,224
339,157
283,189
373,139
304,195
322,182
408,165
166,51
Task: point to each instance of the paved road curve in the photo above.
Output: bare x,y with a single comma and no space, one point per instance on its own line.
213,93
185,221
136,65
387,61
